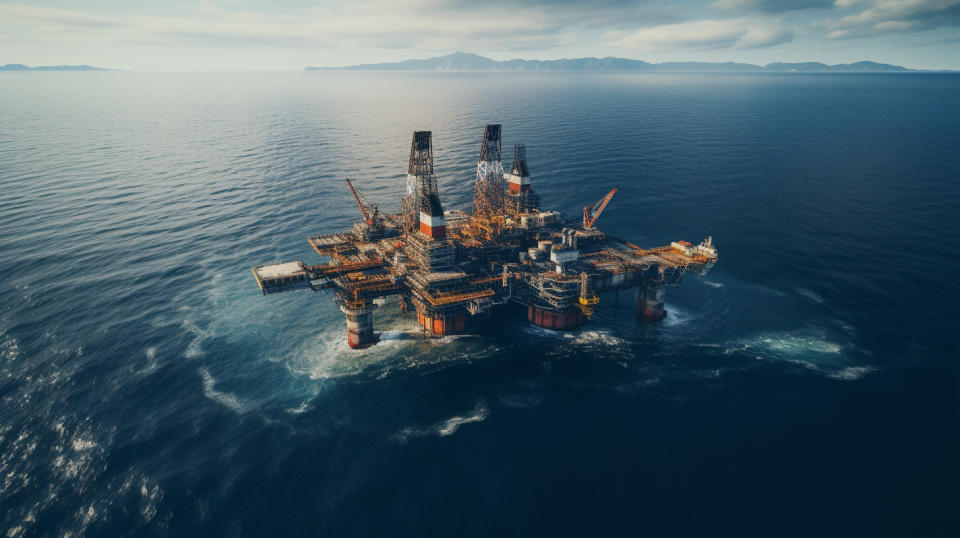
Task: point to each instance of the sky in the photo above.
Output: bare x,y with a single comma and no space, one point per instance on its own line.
231,35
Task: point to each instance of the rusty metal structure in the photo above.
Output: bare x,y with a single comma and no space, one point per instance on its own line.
488,190
450,266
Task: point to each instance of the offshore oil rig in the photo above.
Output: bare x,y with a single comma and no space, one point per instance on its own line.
452,265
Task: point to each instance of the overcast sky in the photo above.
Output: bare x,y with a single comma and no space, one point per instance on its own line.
290,34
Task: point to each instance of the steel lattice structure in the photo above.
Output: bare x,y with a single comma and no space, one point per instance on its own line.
450,266
488,190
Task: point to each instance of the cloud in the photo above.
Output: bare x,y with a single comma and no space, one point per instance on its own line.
377,24
771,6
876,17
738,33
213,31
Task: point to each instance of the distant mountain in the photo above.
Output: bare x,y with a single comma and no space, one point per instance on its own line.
462,61
21,67
817,67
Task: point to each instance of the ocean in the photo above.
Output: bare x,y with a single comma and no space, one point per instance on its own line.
808,386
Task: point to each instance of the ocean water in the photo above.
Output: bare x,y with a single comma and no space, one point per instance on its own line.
809,385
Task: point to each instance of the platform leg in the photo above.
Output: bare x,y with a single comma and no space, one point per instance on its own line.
559,321
650,303
442,326
359,327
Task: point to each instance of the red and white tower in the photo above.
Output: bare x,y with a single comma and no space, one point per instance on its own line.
518,180
422,187
520,195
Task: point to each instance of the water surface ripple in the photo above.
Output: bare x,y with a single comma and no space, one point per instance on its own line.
807,386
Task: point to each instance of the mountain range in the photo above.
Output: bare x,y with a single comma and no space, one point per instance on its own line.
21,67
462,61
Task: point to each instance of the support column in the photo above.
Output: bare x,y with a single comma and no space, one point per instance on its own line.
442,326
359,327
558,321
650,302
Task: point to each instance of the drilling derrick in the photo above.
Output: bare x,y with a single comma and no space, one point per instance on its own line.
426,196
420,179
429,248
520,196
449,266
488,190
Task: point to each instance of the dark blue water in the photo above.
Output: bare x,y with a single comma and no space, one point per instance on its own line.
808,385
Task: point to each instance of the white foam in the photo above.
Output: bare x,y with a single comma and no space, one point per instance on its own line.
328,356
325,357
851,373
73,467
813,296
713,284
540,331
813,351
87,516
387,337
302,408
794,345
677,316
593,337
195,347
445,427
452,424
149,495
227,399
151,365
80,444
9,349
582,337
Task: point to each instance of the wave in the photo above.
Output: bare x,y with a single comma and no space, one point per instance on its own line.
328,356
677,316
594,337
791,344
445,427
195,347
9,349
813,351
578,336
852,372
302,408
227,399
151,363
813,296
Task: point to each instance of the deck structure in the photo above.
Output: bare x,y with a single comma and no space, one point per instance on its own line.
449,266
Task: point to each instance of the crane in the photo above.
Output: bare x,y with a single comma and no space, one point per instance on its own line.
592,211
369,210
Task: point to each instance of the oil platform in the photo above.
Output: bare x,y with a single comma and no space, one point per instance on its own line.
452,265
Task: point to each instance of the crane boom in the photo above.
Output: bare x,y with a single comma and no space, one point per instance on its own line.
360,204
592,212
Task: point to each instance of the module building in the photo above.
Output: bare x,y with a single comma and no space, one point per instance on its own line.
451,265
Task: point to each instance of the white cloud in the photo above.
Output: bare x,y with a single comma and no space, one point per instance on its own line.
874,17
770,6
737,33
359,24
245,34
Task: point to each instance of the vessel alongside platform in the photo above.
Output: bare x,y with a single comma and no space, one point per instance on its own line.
452,265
